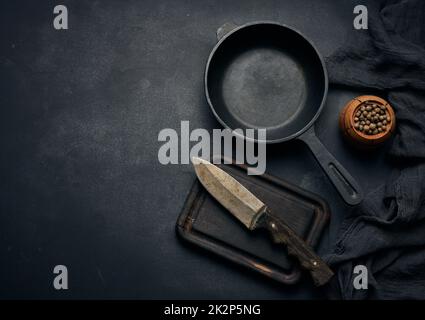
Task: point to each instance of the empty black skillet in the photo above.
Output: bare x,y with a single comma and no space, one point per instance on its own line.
267,75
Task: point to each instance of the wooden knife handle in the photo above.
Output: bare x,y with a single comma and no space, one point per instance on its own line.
297,248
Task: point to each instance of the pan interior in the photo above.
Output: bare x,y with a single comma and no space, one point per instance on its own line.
266,76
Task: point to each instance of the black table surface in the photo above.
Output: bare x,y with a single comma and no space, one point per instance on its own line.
80,180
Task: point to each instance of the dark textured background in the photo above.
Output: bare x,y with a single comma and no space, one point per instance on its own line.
80,183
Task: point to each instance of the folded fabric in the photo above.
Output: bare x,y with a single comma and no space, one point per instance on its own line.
386,232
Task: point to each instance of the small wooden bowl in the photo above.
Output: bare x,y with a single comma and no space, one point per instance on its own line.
346,122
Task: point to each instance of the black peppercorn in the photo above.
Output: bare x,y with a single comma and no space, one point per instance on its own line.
371,118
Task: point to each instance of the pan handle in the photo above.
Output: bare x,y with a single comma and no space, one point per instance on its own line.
347,187
224,29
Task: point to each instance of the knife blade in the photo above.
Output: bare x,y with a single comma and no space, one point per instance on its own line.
254,214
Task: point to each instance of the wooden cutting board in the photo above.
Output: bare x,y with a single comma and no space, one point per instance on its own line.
205,223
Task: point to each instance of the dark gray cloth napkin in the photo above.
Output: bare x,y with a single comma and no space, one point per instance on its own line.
386,232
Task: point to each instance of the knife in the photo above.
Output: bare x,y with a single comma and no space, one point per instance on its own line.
254,214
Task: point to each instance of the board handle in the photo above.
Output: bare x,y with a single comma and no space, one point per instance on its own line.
225,29
346,185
